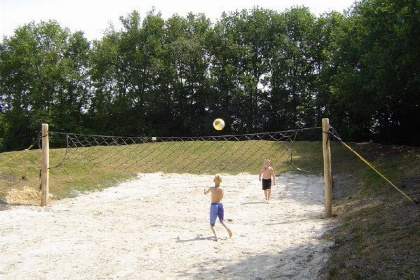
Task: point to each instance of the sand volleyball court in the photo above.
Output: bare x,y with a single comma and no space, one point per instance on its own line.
156,227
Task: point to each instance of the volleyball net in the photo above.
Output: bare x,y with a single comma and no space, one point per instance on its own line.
198,155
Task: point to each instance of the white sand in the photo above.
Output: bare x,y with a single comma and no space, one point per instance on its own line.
156,227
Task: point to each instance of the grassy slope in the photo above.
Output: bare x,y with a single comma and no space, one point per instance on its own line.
377,229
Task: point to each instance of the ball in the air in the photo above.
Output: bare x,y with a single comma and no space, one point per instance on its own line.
218,124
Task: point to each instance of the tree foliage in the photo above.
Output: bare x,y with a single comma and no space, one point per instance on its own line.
258,69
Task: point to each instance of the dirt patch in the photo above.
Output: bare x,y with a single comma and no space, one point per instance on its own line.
25,196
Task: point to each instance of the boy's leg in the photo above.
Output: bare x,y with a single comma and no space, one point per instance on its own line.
214,232
221,215
213,217
262,184
266,186
227,229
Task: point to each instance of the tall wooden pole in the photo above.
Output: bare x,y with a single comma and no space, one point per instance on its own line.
45,165
327,167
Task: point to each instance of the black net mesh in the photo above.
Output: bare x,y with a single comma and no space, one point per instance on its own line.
208,154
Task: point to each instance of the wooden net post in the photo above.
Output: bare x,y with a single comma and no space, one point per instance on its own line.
45,165
327,167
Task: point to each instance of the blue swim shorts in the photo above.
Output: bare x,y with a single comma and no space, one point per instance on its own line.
216,210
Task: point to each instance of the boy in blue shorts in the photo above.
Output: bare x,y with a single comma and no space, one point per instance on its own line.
216,207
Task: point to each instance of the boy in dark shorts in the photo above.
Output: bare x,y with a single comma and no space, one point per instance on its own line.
267,173
216,207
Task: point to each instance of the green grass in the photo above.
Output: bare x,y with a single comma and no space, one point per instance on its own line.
376,232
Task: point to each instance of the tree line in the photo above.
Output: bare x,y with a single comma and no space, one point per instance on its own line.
260,70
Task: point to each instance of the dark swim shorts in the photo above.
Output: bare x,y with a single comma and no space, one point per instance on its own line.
266,184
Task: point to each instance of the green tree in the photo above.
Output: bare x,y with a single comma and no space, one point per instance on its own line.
104,60
240,55
335,52
294,68
391,59
73,92
188,61
41,69
374,87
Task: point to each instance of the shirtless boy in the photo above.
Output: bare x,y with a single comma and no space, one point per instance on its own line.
216,207
267,173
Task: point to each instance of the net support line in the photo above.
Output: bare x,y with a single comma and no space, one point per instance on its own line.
372,167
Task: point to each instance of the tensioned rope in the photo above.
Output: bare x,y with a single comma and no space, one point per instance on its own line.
334,134
17,155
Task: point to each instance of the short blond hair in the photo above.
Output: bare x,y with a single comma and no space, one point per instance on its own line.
218,178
